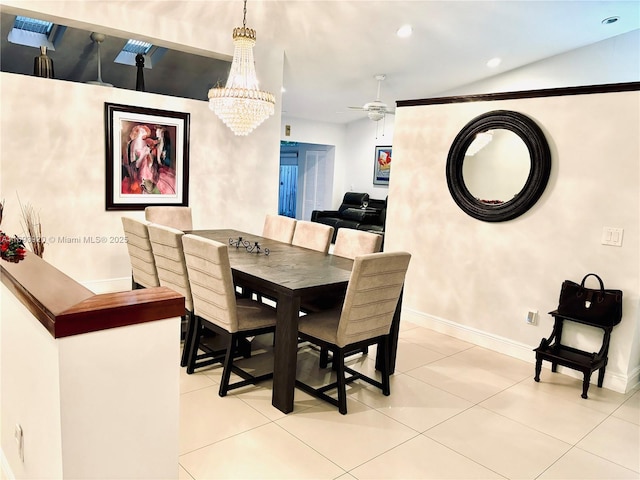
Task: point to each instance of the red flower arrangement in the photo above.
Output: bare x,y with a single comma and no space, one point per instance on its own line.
11,249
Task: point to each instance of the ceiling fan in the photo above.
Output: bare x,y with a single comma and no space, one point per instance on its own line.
376,110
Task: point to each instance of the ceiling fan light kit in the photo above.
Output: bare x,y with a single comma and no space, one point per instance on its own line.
241,105
375,115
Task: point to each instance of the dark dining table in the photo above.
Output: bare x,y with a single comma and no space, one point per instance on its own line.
290,275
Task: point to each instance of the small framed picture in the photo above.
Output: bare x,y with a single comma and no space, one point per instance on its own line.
382,166
147,157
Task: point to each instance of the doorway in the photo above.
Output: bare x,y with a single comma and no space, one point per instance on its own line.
306,179
288,190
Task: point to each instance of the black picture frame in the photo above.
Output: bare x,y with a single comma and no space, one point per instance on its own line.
147,157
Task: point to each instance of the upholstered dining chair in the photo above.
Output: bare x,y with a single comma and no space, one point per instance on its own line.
312,235
279,227
364,319
217,308
166,244
143,266
174,217
351,243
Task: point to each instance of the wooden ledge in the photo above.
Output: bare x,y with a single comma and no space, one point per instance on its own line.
65,308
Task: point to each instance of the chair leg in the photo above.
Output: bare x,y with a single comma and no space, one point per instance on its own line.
338,357
244,347
601,376
538,368
228,361
386,389
188,339
194,344
324,357
585,384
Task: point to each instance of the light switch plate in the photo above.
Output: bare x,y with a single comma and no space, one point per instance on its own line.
612,236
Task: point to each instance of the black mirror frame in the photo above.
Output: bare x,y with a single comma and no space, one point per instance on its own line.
539,152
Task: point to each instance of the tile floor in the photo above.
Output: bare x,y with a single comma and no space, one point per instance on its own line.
456,411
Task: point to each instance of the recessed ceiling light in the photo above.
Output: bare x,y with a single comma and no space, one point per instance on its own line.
610,20
404,31
494,62
283,89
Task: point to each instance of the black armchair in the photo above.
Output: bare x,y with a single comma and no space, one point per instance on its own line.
351,214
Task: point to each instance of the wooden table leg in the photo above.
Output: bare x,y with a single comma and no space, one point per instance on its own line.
285,353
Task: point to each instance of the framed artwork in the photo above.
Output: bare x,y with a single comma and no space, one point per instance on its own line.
382,166
147,157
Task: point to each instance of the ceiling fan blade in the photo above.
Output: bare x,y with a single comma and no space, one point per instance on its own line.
358,108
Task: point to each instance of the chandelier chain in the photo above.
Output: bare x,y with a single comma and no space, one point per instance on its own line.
244,19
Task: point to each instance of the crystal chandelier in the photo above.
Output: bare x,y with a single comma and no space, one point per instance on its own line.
241,105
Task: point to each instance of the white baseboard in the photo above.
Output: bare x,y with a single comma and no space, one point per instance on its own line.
613,381
471,335
633,379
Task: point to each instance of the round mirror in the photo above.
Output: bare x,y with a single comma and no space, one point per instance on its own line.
498,166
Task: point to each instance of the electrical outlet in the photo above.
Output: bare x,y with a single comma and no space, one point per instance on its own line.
19,436
532,317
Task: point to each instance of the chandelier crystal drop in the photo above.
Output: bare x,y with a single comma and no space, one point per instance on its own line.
241,105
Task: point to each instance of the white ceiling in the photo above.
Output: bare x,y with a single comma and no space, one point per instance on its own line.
333,49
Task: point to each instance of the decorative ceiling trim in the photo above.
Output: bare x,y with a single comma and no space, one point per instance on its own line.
547,92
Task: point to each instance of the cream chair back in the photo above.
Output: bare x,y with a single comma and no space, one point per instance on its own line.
211,281
350,243
279,227
166,243
312,235
174,217
143,266
372,296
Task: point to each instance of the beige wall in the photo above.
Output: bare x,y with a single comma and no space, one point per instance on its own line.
52,148
52,155
477,280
